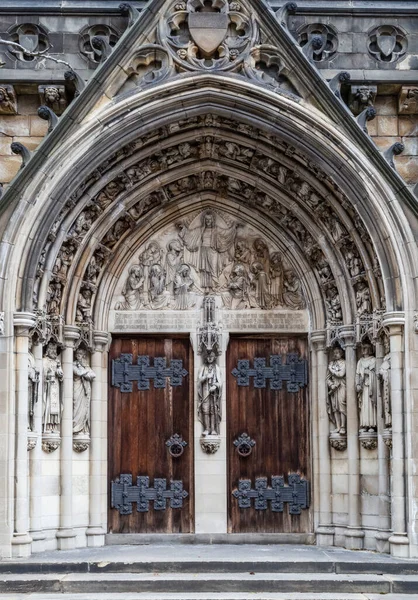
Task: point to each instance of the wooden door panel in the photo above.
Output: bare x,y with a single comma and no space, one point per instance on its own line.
278,421
140,424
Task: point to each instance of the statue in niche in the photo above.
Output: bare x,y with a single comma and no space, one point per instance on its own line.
385,385
52,394
184,288
333,304
84,305
292,294
33,387
363,299
82,378
133,290
337,392
210,395
367,389
209,248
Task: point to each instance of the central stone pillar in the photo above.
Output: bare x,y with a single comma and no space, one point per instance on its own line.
65,534
354,535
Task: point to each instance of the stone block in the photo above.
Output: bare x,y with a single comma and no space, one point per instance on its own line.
31,143
14,125
383,143
407,167
27,104
408,125
38,127
5,142
386,105
411,146
9,166
387,125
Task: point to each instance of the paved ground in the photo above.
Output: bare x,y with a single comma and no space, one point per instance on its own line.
209,597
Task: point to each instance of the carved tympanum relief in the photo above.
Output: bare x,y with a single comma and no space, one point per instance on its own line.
210,253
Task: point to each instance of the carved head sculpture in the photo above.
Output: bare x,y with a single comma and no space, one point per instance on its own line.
366,349
260,248
51,350
238,271
337,353
184,271
174,246
80,355
210,357
386,344
256,268
52,95
208,219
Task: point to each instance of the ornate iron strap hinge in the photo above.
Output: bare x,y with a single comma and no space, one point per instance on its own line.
294,371
124,372
124,494
296,494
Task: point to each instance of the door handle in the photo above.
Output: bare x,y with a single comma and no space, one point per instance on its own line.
176,445
244,445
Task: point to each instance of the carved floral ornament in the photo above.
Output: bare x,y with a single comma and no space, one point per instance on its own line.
286,169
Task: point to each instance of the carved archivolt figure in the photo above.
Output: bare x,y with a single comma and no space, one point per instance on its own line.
385,386
337,391
52,393
367,389
363,299
210,395
83,376
33,385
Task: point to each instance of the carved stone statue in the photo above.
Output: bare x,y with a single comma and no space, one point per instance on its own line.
133,290
82,377
363,299
337,391
33,386
385,385
367,389
210,395
292,294
52,393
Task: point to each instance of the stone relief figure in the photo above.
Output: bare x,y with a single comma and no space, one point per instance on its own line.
82,377
133,290
210,395
333,304
363,299
209,254
210,248
52,393
367,389
337,391
385,385
33,386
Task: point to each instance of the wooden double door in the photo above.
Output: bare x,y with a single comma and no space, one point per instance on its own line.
150,454
268,435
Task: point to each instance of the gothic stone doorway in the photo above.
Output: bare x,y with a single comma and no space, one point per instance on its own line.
150,402
278,422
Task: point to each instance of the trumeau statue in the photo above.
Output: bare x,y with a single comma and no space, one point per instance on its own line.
385,385
337,391
210,395
367,389
52,392
82,378
210,254
33,386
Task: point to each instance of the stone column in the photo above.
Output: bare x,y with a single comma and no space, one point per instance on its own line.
382,536
399,543
35,457
21,541
65,533
354,535
324,531
96,532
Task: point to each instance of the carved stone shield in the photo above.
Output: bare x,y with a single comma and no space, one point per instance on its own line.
386,44
29,41
208,30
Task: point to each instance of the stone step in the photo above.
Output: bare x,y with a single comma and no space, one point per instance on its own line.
35,566
186,596
208,583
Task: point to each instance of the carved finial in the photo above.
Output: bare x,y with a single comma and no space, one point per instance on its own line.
18,148
100,43
315,43
368,114
283,14
394,150
75,80
129,11
45,113
337,81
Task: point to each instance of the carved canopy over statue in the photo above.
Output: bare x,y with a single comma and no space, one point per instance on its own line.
209,254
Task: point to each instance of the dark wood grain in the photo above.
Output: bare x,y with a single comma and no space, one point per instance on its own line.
279,422
140,423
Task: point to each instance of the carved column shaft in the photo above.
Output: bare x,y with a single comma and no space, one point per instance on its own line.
95,531
354,536
35,457
66,534
325,533
21,542
399,543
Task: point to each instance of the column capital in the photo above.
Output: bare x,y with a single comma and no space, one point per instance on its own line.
347,333
23,323
318,338
100,340
71,335
394,322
